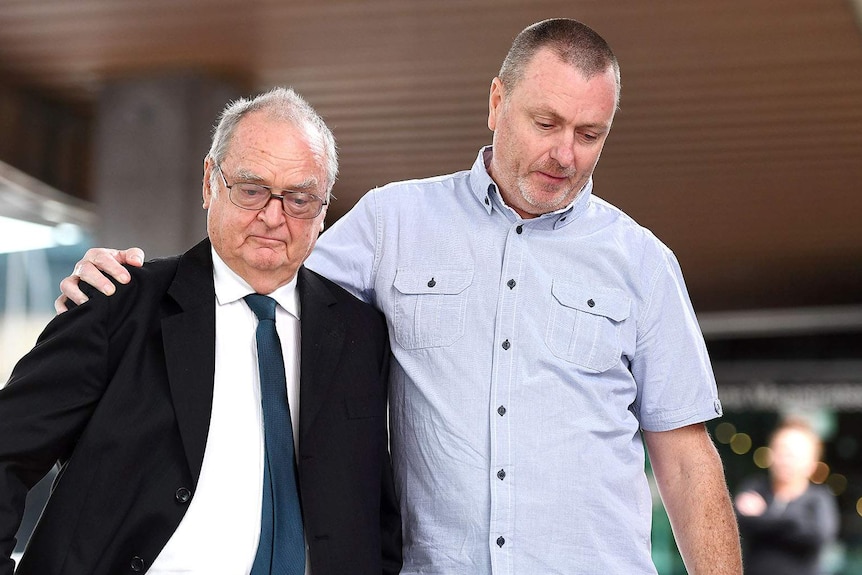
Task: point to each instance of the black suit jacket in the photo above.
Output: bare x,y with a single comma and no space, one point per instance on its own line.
119,392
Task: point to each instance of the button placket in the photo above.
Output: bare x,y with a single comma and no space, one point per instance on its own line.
501,472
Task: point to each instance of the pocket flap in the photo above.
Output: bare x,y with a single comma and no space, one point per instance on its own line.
607,302
430,280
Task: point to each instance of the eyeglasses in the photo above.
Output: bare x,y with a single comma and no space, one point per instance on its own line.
248,196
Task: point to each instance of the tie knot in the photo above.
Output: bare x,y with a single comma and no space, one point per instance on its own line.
262,306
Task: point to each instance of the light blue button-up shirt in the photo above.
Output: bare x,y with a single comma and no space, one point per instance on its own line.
529,355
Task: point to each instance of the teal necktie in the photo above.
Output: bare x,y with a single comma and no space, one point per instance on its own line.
281,550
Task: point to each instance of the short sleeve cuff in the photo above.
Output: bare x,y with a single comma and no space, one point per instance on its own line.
668,420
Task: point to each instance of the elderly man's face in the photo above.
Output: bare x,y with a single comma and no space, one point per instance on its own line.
549,131
265,247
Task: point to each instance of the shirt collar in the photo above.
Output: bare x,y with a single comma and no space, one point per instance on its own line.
484,189
230,287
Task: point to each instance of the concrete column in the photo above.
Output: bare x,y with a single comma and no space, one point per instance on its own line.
150,140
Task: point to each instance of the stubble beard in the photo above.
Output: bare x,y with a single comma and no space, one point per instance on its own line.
560,197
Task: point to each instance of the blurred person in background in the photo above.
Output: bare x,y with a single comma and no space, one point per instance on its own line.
541,337
785,520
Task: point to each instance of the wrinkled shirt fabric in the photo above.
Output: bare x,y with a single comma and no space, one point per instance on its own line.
529,356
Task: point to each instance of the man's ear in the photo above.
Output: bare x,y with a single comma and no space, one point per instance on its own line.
495,100
323,217
206,191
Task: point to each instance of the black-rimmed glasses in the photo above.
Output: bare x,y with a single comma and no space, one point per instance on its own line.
249,196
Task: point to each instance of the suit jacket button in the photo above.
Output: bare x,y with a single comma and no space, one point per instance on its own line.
137,564
182,495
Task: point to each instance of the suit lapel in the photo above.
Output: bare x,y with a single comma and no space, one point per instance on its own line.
189,344
322,332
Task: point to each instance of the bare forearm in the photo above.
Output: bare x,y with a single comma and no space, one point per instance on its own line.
692,485
703,523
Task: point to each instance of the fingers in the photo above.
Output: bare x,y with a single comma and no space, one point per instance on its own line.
70,292
98,263
131,256
94,268
97,274
98,260
60,304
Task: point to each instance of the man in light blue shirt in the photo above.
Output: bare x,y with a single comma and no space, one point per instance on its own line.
541,337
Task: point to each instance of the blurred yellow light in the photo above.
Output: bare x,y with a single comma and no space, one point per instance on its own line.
724,432
821,473
837,483
740,443
859,506
762,457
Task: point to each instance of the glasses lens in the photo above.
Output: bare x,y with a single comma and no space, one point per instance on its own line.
249,196
302,205
295,204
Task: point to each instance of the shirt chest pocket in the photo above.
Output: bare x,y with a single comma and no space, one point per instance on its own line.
584,324
430,305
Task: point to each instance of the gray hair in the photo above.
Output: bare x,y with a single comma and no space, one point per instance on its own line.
574,42
282,104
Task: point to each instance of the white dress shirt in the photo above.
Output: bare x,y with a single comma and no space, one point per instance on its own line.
219,532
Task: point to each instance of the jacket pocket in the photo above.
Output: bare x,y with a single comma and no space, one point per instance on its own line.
584,324
430,305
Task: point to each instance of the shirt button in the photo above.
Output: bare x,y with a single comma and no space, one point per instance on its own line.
501,410
183,495
501,475
591,303
519,229
137,564
487,202
506,344
500,541
431,283
511,284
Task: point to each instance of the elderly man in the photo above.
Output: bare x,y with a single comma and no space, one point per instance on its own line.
225,411
540,338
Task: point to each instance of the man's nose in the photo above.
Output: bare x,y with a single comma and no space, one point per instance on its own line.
273,212
564,150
